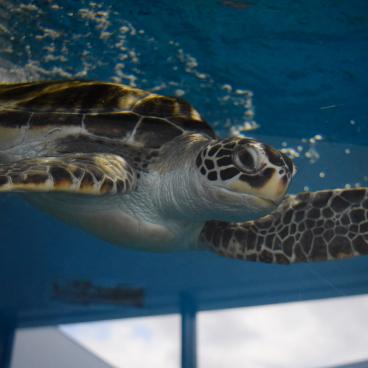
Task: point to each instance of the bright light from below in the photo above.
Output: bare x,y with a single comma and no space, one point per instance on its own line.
320,333
133,343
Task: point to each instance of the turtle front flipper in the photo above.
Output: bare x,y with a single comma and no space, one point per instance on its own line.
91,174
319,226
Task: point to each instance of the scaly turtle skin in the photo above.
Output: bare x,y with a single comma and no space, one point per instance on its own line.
146,171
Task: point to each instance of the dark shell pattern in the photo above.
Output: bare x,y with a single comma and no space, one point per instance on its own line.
104,110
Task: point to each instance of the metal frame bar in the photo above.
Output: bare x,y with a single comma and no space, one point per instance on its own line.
7,333
188,332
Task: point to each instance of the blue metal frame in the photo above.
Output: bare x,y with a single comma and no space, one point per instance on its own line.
7,333
188,332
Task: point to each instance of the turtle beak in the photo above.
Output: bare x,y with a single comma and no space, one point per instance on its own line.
276,187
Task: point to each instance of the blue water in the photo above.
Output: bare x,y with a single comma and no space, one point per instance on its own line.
305,63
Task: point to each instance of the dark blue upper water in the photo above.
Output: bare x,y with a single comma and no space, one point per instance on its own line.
305,62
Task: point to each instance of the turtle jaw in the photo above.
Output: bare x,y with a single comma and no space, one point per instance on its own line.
269,186
273,190
242,200
240,206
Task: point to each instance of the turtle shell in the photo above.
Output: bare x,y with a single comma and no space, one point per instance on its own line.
108,110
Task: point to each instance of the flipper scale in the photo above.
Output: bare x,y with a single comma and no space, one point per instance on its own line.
309,227
91,174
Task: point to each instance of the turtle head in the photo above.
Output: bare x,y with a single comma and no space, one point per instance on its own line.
246,172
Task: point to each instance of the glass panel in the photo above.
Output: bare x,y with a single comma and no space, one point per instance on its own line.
304,334
49,347
131,342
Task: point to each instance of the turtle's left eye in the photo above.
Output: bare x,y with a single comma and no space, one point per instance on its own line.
247,159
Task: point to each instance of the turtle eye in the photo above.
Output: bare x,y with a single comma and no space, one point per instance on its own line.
247,159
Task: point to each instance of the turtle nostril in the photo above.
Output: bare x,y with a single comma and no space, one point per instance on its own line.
274,156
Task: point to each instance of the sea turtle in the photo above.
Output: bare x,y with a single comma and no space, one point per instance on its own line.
146,171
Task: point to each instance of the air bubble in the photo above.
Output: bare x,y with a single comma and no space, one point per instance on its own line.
347,151
249,114
322,175
201,75
243,92
290,152
312,154
179,93
227,88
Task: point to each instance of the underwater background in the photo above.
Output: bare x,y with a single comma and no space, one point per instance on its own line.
290,73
